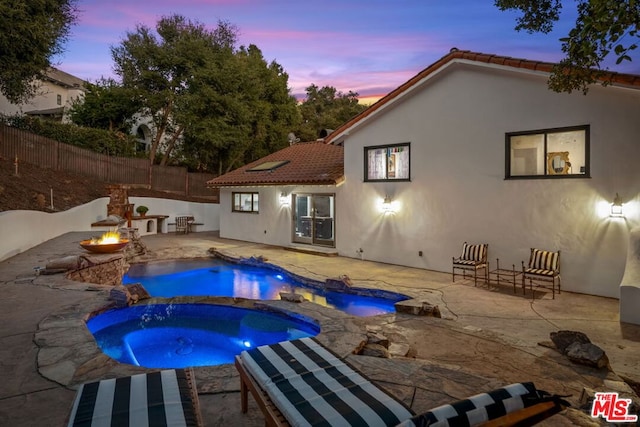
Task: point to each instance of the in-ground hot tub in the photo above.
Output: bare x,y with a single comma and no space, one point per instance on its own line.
182,335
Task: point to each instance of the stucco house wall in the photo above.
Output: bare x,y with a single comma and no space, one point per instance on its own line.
456,122
272,224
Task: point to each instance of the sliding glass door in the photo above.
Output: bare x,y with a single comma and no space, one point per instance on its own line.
313,219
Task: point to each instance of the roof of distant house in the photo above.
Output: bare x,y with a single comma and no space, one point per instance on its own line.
64,79
305,163
455,55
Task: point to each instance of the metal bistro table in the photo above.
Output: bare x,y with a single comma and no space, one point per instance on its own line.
504,276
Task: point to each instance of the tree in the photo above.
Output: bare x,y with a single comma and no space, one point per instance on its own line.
326,108
604,28
106,105
224,104
31,33
243,108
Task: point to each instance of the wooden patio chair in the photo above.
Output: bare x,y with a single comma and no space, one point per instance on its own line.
543,266
473,258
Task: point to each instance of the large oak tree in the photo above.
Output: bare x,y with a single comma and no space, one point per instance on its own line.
224,104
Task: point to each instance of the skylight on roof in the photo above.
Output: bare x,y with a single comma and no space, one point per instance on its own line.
268,166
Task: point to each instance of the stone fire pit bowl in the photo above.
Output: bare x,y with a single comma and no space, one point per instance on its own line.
104,248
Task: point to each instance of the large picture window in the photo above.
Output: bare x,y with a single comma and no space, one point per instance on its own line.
550,153
387,162
245,202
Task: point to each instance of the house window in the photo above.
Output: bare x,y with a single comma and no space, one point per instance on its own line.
245,202
387,162
550,153
59,99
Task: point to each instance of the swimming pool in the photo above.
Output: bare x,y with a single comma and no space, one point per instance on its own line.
216,277
182,335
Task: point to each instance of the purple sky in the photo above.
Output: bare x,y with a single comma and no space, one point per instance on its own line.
367,46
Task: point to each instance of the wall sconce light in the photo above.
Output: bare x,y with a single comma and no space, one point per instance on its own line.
387,205
616,207
284,199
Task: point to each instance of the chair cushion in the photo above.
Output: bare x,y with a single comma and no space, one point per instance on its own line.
473,252
479,408
540,272
310,385
154,399
468,262
543,260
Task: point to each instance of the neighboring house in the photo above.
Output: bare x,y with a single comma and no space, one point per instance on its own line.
474,148
54,97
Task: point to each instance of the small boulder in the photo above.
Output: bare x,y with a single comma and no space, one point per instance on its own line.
563,339
587,354
375,338
291,297
375,350
339,284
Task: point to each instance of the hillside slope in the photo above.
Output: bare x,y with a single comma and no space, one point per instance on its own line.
31,189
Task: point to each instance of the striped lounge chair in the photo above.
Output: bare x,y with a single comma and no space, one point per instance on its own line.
473,257
157,399
302,383
543,266
518,404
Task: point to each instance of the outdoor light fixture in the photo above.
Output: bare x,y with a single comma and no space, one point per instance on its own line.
616,207
387,204
284,199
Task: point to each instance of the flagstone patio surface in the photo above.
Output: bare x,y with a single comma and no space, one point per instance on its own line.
488,336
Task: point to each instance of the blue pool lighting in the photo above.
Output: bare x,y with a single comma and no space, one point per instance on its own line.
182,335
215,277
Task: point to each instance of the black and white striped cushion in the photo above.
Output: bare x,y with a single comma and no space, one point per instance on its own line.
543,260
473,252
156,399
479,408
312,387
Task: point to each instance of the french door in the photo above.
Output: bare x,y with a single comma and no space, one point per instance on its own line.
313,220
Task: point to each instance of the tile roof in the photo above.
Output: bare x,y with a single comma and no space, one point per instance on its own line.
465,55
309,163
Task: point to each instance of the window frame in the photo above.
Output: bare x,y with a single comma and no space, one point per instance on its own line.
546,132
253,201
387,179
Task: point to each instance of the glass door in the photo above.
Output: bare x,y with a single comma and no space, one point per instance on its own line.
313,219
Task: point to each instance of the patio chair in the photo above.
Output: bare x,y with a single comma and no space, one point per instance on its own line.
182,224
543,266
157,399
301,382
474,258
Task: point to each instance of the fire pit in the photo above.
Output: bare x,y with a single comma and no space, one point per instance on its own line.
107,243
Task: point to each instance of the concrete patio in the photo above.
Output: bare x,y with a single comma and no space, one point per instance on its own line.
488,335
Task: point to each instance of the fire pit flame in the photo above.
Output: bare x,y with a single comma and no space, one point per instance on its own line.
108,242
107,238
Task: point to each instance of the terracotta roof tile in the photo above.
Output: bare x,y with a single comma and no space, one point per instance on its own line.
455,54
310,163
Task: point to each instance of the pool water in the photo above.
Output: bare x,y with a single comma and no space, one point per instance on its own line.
182,335
216,277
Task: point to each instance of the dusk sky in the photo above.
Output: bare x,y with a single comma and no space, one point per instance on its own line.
367,46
